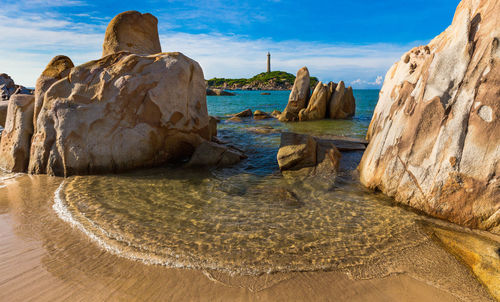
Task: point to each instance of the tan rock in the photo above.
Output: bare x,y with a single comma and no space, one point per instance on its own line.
58,68
213,154
244,113
299,96
4,105
305,155
276,113
342,103
296,151
16,137
316,109
435,133
261,115
133,32
121,112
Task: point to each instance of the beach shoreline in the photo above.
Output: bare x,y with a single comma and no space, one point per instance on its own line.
42,257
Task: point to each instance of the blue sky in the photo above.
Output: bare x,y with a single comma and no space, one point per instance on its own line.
355,41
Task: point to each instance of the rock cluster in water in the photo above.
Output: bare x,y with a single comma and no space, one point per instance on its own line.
330,100
135,107
302,154
435,133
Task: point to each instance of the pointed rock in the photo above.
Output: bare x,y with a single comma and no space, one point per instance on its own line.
299,96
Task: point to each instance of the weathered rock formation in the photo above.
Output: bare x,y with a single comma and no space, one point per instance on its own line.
276,113
16,137
133,32
58,68
327,101
305,155
435,133
298,97
342,104
120,112
316,109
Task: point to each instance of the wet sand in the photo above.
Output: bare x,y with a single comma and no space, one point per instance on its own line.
42,258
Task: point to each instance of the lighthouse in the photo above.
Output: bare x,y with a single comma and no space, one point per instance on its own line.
268,62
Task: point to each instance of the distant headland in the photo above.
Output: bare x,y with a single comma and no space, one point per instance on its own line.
273,80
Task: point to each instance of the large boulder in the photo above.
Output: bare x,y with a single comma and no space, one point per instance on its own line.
133,32
299,96
342,103
435,133
121,112
316,109
58,68
16,137
302,154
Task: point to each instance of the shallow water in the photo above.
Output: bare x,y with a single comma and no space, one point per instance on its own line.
246,219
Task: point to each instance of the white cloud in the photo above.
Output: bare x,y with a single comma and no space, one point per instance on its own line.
368,84
35,38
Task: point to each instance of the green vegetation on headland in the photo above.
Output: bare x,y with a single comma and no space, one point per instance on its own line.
275,80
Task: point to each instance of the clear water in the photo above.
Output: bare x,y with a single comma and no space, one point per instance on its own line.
246,219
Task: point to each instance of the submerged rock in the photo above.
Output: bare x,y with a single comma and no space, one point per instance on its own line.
299,96
261,115
121,112
219,92
214,154
263,130
276,113
16,137
435,132
244,113
58,68
304,154
235,119
316,109
480,253
133,32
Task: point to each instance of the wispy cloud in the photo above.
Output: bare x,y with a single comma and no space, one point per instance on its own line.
35,37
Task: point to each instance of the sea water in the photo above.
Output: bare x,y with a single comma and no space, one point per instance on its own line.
247,219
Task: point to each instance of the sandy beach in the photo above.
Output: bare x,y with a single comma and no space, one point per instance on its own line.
42,258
